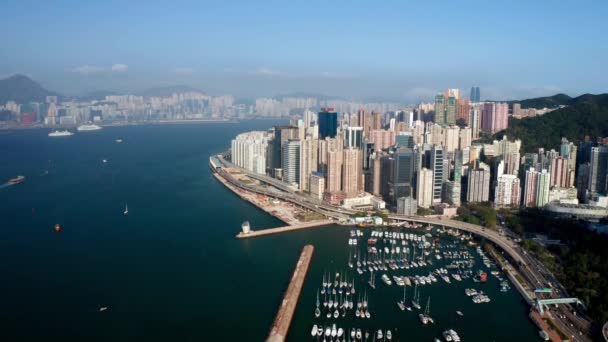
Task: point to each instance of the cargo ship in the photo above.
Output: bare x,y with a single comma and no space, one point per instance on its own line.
16,180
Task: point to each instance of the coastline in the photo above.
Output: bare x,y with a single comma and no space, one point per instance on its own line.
119,124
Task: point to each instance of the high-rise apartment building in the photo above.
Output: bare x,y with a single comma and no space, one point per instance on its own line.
542,190
352,172
478,189
462,111
317,185
249,151
530,188
507,191
494,117
559,172
382,139
308,161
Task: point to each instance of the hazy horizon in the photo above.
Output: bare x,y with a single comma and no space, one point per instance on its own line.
391,51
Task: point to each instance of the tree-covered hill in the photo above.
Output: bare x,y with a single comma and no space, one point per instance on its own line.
584,115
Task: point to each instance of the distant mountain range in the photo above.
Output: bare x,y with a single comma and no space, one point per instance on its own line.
22,89
584,115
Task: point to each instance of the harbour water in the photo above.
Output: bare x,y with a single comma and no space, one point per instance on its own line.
171,269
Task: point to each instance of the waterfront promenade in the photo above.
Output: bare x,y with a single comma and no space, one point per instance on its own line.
280,326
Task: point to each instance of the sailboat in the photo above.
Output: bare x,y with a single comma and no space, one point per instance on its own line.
401,304
425,317
317,310
372,281
126,209
415,299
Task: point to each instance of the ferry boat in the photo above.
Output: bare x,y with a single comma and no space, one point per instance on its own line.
16,180
88,127
65,133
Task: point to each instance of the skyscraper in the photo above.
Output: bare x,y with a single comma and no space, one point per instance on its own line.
291,162
474,96
440,109
436,164
333,193
403,173
598,168
450,113
328,123
353,137
425,188
282,134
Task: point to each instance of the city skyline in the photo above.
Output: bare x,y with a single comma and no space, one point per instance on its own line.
366,51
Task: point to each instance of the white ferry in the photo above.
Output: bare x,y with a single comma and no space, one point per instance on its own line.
90,127
65,133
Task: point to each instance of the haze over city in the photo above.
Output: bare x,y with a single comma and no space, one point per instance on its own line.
397,51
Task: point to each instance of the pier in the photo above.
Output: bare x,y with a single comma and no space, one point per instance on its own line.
280,326
278,230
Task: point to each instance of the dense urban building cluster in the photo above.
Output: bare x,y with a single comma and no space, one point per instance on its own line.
428,157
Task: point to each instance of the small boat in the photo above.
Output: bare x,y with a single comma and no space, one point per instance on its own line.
389,335
358,334
57,228
379,334
104,161
314,330
119,140
16,180
103,308
460,313
328,331
126,210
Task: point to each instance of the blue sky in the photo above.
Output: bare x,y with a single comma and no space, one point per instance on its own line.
403,50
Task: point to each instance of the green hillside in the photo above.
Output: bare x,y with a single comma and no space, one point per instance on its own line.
584,115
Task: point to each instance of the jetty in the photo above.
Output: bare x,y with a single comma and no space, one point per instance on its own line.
280,326
298,226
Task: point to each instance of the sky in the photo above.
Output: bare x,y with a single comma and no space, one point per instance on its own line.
388,50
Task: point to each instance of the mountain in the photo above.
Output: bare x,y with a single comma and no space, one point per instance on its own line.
169,90
22,89
545,102
584,115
